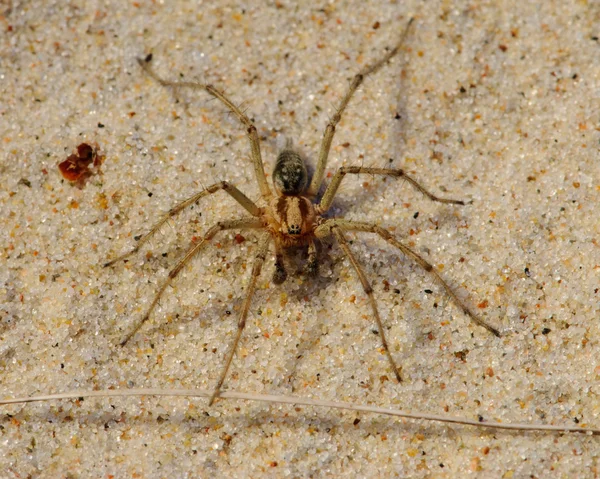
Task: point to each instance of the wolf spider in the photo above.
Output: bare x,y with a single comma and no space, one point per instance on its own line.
291,217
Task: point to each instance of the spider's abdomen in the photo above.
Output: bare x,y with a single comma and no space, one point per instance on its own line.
289,175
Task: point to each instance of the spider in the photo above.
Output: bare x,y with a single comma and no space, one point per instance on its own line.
292,215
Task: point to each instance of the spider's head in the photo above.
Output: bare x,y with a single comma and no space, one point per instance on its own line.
292,217
295,215
290,175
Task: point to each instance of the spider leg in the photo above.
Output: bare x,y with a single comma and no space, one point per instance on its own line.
242,223
280,273
256,268
317,178
332,189
387,236
337,231
312,264
259,169
236,194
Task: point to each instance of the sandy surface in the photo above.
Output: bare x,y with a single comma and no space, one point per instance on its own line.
492,102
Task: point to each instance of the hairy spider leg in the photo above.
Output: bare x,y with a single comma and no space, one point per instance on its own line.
332,188
312,263
236,194
317,179
257,163
358,226
337,231
242,223
256,268
280,273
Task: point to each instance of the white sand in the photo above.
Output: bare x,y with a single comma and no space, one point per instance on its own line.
520,140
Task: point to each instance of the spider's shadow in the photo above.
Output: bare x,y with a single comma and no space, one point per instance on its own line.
311,288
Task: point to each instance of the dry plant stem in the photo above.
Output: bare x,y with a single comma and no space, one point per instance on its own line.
257,163
387,236
369,292
236,194
242,223
317,179
256,268
305,402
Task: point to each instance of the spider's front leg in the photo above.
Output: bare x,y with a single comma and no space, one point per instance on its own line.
356,82
236,194
257,163
332,189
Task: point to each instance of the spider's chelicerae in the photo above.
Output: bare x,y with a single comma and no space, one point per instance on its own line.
292,215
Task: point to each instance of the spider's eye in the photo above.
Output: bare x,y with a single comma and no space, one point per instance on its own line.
289,176
294,229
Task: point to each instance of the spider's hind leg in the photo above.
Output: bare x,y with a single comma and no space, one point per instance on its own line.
256,268
384,234
336,230
195,248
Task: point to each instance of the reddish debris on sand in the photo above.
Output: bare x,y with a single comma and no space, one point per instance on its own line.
77,166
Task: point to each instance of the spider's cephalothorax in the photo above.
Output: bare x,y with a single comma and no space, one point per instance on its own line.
289,217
